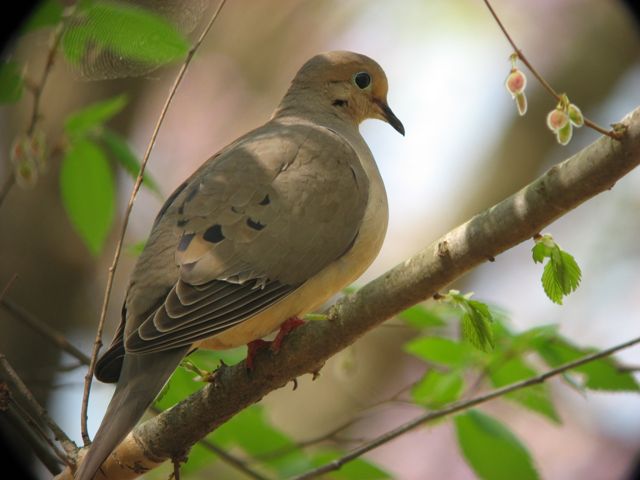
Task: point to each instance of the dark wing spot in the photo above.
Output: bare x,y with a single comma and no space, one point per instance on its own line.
182,222
237,210
214,234
338,102
185,241
254,225
266,200
192,193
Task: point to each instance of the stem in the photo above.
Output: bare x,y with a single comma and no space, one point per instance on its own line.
460,406
541,79
116,257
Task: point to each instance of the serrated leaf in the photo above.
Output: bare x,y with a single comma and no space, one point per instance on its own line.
568,271
491,449
602,374
539,252
88,192
95,115
440,350
421,317
536,397
11,84
476,325
47,14
129,32
550,284
436,389
561,275
359,469
121,151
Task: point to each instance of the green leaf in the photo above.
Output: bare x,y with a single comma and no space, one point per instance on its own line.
476,320
120,150
436,389
539,252
11,84
561,275
421,317
88,192
491,449
440,351
89,118
251,431
129,32
476,325
47,14
602,374
550,284
358,469
535,397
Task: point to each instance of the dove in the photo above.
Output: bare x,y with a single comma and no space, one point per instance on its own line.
266,230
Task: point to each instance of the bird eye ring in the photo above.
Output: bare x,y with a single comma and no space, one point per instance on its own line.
362,80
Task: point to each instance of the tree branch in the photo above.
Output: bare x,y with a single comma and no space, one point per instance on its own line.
26,415
547,86
461,406
518,218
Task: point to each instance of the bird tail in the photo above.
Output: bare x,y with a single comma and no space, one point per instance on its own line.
141,379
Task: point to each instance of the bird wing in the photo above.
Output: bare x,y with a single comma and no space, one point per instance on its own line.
254,224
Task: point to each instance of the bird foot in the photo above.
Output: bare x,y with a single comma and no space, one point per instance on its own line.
252,350
288,326
256,345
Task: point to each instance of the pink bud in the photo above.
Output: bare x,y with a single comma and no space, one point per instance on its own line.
516,82
556,119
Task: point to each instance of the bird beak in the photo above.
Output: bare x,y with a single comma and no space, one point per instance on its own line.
389,117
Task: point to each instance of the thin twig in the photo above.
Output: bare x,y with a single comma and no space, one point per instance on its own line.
333,433
610,133
230,459
68,445
7,287
61,342
224,455
460,406
116,257
40,445
44,329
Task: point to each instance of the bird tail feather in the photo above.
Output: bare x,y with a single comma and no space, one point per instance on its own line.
141,379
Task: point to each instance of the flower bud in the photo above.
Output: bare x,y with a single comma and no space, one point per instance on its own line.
516,82
557,119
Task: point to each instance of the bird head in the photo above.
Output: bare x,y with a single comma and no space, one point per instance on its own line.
349,85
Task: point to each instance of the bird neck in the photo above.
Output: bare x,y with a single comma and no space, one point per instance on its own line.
314,106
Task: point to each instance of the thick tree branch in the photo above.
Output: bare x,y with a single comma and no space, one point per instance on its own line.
562,188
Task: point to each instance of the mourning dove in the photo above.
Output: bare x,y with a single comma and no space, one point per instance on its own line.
266,230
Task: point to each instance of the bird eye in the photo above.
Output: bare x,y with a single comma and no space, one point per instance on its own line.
362,79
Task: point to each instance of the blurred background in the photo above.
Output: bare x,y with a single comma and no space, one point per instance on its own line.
465,149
